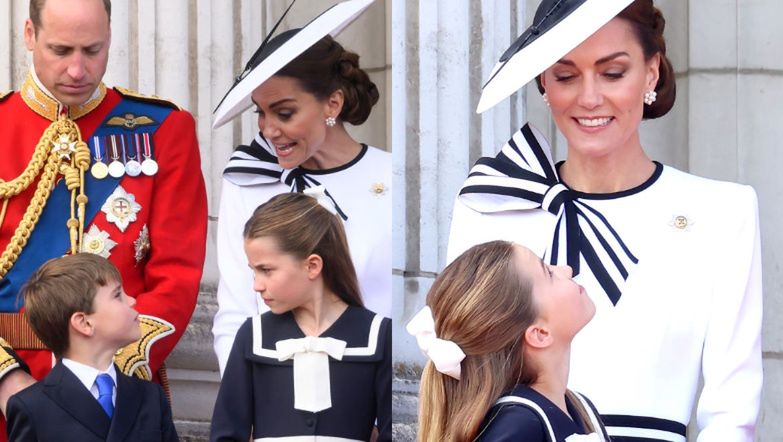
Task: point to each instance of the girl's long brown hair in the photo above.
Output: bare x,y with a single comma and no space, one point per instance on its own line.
483,304
301,228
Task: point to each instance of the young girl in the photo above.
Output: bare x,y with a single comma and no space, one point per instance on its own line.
498,331
318,364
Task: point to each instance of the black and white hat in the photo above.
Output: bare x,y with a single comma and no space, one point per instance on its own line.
275,53
558,27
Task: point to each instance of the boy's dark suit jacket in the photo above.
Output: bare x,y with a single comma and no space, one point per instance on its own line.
59,408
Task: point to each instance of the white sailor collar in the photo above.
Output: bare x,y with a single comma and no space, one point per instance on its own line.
361,330
257,164
559,426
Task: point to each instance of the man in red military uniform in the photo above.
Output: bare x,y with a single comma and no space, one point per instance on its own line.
88,169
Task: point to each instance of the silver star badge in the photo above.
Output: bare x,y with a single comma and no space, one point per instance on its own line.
121,208
97,242
64,147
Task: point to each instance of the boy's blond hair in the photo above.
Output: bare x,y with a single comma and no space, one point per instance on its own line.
61,287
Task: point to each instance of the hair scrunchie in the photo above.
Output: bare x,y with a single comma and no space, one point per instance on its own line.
445,355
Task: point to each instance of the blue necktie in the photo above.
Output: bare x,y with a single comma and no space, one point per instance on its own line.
105,386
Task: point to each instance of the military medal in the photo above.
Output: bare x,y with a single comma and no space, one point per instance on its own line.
132,167
99,169
116,168
121,208
149,166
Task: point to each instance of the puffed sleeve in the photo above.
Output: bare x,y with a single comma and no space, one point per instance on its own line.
236,297
232,418
383,387
465,230
21,427
513,423
731,360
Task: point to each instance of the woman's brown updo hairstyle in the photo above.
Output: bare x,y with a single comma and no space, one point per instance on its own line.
326,67
648,23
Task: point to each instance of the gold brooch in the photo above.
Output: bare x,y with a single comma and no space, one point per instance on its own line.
378,189
681,223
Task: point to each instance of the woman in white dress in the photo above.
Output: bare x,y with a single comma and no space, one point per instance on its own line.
302,110
671,260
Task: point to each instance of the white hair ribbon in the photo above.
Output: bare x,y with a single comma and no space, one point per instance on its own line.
319,193
445,355
312,388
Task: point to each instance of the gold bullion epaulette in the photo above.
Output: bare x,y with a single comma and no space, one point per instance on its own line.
9,360
5,95
133,95
133,359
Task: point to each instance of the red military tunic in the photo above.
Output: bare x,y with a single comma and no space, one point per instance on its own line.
164,276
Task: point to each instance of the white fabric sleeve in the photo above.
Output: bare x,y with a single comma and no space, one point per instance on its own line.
731,359
466,225
236,297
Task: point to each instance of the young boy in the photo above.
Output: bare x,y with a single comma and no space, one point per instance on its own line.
77,307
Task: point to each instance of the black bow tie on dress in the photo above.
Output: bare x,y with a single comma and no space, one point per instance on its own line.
257,164
522,177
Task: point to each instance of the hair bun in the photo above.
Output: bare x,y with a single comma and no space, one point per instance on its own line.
360,92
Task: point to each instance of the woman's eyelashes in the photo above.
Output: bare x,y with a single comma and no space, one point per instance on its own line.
611,75
282,115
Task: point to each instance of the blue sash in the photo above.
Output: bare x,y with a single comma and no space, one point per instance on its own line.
51,239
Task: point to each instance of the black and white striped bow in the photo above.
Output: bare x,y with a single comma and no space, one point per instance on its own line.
257,164
523,177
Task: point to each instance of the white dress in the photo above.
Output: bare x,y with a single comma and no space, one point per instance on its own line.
691,306
362,191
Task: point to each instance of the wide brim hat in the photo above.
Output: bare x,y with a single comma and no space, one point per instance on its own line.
558,27
276,53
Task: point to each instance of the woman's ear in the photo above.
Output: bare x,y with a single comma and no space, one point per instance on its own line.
315,265
653,71
542,79
334,103
538,336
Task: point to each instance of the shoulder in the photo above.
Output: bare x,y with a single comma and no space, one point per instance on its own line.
150,99
697,186
378,153
4,95
29,395
512,422
377,158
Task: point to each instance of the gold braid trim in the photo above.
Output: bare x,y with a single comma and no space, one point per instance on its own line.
60,150
133,359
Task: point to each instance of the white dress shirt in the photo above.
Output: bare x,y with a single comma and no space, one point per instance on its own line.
87,375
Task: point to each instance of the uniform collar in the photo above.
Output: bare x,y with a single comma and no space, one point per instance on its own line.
40,100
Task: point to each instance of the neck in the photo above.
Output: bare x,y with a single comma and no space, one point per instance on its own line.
338,149
620,170
88,353
552,365
318,315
